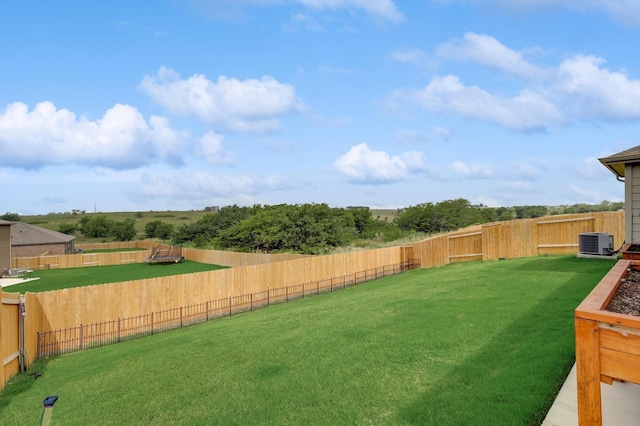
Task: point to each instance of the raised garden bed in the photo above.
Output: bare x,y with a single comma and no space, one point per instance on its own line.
607,342
631,251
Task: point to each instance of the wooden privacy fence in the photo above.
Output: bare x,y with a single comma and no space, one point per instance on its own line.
517,238
79,260
10,335
85,336
68,308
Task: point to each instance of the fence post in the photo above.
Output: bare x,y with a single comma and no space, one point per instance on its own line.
152,323
287,294
207,307
251,302
318,287
80,336
118,330
180,316
229,305
331,285
38,351
267,296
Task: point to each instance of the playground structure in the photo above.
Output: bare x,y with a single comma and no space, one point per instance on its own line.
160,254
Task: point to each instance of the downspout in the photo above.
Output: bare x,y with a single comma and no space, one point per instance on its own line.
619,179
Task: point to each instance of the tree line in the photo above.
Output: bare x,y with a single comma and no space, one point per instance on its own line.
312,228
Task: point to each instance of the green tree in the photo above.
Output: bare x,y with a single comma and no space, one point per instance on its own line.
525,212
150,228
124,230
11,217
211,224
164,231
96,226
67,228
444,216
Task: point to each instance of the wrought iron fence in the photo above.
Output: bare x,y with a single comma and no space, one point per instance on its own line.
86,336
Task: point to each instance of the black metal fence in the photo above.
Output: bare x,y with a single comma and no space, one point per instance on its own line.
85,336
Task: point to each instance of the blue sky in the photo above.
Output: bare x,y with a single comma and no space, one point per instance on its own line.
181,104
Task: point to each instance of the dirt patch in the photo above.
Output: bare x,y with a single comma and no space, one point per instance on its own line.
627,297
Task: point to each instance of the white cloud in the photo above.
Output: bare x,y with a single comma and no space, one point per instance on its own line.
472,171
363,165
444,133
526,111
578,89
591,169
585,195
328,69
193,185
626,12
413,56
198,185
210,145
381,9
302,21
486,50
121,139
235,9
410,136
525,170
244,106
592,92
518,186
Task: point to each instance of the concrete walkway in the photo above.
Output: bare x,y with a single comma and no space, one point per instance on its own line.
620,404
7,282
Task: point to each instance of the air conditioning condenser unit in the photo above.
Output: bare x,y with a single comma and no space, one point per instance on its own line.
595,243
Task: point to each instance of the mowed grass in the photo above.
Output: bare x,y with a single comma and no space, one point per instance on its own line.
55,279
466,344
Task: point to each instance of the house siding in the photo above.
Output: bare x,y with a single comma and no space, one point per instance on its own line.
5,247
632,202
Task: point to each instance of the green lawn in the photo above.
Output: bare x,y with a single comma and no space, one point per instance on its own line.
55,279
466,344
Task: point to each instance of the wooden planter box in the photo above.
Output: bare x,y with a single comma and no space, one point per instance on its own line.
607,344
631,252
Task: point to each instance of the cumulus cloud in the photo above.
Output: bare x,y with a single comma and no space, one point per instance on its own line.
364,165
486,50
525,111
579,88
244,106
210,145
121,139
473,171
592,92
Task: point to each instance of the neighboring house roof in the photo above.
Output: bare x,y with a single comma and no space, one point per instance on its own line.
5,222
616,162
23,234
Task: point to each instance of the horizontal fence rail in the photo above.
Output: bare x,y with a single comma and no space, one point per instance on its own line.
86,336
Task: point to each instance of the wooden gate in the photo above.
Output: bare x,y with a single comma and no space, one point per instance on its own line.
9,336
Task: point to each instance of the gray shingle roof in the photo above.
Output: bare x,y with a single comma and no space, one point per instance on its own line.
616,162
23,234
